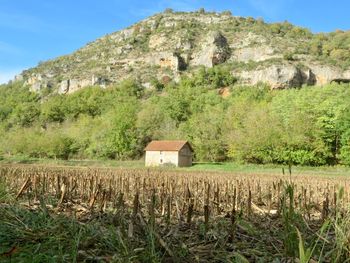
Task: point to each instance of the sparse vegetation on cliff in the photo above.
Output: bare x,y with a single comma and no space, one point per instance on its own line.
174,43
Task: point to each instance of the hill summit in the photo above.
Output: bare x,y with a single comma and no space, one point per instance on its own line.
170,44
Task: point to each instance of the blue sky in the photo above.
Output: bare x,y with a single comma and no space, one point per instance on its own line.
37,30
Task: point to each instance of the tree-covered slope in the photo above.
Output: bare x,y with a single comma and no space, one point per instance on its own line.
309,126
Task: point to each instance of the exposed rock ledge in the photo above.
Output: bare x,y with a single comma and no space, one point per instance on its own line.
215,50
72,85
291,76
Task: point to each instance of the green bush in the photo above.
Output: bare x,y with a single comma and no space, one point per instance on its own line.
288,56
307,126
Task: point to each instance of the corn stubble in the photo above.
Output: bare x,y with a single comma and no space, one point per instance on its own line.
173,216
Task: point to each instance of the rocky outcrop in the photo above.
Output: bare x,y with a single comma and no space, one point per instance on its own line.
245,40
19,77
157,41
64,86
200,18
72,85
213,51
278,77
347,74
174,44
36,82
259,53
171,60
325,74
290,76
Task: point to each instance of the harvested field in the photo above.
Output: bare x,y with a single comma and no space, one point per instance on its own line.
138,215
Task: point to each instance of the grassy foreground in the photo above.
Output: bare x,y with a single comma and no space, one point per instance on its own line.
74,214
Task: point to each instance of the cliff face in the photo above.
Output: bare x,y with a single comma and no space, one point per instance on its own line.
172,44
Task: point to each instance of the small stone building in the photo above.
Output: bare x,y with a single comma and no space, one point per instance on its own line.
178,153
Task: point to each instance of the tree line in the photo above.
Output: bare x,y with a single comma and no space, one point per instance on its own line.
254,124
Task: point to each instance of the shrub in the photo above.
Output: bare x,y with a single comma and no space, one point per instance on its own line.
227,13
169,11
201,10
288,56
157,84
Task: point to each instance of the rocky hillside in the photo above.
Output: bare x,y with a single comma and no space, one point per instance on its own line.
168,45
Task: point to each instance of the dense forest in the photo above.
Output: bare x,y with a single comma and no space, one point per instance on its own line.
306,126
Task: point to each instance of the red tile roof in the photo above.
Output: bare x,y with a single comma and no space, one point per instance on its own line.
166,145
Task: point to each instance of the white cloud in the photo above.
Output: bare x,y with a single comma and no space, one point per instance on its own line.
7,75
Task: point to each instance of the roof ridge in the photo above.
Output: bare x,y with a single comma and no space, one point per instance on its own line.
166,145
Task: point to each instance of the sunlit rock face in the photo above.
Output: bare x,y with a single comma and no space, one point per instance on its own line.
177,44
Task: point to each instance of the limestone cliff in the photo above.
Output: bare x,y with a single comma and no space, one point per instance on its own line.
172,44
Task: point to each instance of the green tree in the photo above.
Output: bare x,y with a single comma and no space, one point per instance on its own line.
255,137
344,133
53,110
121,141
205,131
131,87
25,114
59,146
